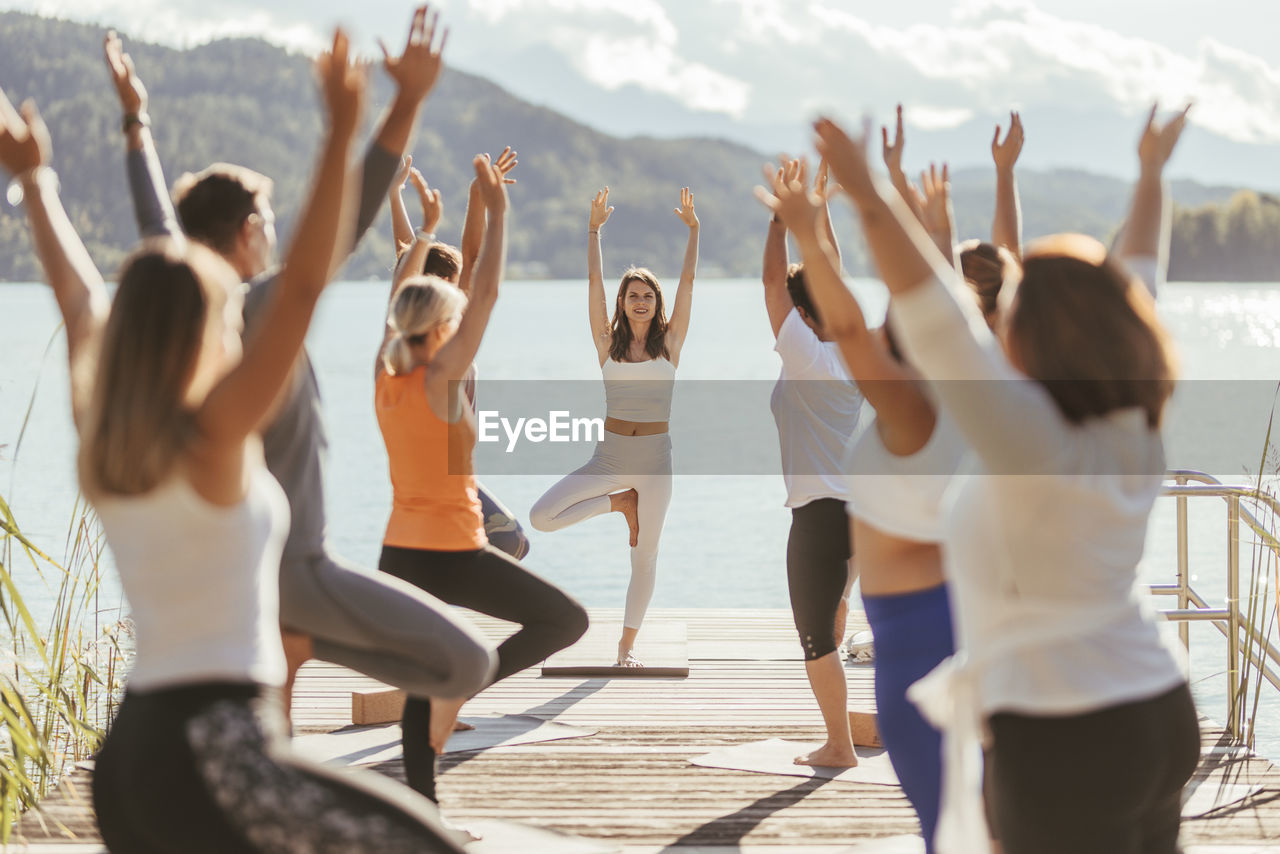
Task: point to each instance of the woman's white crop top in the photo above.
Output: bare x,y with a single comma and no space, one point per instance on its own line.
638,391
902,496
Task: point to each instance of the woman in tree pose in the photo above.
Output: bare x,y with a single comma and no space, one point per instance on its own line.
630,471
1064,663
168,403
435,537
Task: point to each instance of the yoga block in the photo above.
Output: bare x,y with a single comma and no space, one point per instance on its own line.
864,729
376,707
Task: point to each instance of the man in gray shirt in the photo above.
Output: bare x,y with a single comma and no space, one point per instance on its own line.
335,611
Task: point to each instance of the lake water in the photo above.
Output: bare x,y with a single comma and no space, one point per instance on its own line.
725,536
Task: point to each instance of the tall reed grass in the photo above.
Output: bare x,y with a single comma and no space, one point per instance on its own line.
61,672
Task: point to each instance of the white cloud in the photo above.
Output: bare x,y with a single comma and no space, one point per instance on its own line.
935,118
773,62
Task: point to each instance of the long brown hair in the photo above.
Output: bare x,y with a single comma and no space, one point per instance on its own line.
655,344
137,425
1087,330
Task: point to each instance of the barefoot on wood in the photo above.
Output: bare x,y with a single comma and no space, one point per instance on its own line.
830,756
628,504
444,714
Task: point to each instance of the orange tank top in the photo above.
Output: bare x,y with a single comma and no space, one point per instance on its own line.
435,504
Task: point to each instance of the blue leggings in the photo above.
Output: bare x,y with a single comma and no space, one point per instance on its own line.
912,634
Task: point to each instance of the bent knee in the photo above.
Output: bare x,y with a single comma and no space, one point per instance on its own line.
472,668
572,622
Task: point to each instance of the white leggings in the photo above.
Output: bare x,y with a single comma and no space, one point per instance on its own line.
642,463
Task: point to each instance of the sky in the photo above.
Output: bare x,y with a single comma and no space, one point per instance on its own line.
1081,72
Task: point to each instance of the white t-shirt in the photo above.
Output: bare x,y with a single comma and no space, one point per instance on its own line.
1044,533
816,407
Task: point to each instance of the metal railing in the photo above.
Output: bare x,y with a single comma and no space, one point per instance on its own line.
1229,620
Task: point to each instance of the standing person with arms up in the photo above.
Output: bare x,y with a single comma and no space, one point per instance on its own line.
1063,663
332,610
421,254
435,537
816,407
168,402
630,471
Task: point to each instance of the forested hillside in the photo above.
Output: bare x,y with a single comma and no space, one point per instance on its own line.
245,101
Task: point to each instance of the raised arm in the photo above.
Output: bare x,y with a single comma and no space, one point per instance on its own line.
239,402
777,302
455,357
597,305
825,189
893,162
935,213
473,224
414,73
1006,228
1144,245
401,228
678,325
414,257
25,152
900,404
152,207
1006,418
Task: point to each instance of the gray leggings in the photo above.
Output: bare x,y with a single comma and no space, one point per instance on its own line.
383,627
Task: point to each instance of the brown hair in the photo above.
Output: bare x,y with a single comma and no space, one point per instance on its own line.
214,203
655,344
137,426
986,267
1087,330
443,261
799,291
421,304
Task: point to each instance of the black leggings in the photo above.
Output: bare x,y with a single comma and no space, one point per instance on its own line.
817,572
205,769
493,583
1107,781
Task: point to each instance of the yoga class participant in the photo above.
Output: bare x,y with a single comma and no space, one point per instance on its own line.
898,468
435,537
1063,664
630,471
816,407
168,402
333,610
430,257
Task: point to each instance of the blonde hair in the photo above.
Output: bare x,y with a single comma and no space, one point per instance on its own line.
421,304
137,426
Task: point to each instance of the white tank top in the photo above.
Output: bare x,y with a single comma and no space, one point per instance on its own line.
638,391
202,582
902,496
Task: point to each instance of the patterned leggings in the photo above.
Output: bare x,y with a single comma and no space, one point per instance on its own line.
205,769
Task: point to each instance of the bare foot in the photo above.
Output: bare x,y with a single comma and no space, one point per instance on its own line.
626,659
461,726
444,714
830,756
628,504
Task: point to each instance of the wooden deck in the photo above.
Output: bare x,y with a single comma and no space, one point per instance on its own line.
632,785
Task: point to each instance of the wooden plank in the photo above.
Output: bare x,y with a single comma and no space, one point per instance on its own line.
662,646
632,784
